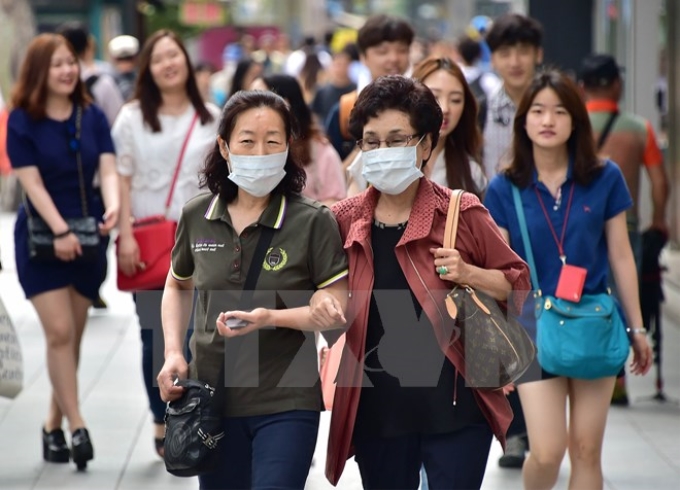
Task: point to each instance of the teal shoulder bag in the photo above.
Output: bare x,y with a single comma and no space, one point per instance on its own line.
584,340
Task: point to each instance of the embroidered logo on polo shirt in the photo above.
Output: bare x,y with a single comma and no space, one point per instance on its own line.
275,259
206,245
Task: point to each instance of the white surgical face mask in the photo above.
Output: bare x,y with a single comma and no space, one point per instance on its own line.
258,175
391,170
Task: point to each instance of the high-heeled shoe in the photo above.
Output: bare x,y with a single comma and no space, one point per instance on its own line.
81,448
55,449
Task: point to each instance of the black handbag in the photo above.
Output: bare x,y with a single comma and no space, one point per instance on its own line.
497,348
193,428
86,229
193,423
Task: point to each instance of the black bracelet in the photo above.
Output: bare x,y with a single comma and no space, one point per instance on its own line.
63,234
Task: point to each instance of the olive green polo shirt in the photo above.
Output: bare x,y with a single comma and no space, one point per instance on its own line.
274,369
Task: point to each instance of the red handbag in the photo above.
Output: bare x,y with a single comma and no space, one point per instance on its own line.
155,238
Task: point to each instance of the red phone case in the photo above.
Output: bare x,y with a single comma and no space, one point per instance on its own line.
571,282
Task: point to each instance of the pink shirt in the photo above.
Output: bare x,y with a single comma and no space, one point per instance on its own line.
325,177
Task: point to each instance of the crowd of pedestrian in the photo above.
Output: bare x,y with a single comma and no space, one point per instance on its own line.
308,194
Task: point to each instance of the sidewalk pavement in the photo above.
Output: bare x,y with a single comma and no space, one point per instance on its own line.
641,449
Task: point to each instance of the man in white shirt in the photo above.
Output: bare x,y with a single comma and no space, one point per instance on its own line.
515,43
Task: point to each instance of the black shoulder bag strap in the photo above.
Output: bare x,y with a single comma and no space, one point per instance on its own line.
607,129
245,303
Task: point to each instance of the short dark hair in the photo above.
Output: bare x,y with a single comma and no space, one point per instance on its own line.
599,71
469,49
402,94
512,29
581,145
77,34
381,28
149,95
215,173
351,50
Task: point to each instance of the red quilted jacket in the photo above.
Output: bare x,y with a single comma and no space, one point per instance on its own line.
479,242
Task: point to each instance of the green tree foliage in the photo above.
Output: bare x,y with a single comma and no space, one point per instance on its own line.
168,18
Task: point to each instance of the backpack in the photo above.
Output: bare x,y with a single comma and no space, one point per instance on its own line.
480,95
347,102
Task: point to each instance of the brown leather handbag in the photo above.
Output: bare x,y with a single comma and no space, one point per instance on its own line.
497,348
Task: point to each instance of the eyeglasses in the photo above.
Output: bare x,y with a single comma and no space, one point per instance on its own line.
394,141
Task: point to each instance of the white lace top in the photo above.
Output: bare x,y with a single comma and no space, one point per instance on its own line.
150,158
438,174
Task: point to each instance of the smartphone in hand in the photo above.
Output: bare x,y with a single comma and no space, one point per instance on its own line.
236,323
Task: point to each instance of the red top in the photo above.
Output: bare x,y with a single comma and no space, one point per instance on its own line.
479,242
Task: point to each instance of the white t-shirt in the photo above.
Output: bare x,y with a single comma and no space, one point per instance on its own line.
150,158
438,174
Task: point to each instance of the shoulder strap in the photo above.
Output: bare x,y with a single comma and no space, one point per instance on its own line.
347,102
245,303
89,84
451,229
525,236
178,166
266,236
606,130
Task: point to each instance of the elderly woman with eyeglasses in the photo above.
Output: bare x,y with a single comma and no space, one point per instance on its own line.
401,399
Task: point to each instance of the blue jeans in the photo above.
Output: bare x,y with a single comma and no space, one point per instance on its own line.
265,452
456,460
148,307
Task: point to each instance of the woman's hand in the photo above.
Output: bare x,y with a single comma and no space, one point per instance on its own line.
256,319
326,310
128,255
110,221
449,265
67,248
507,389
175,367
642,354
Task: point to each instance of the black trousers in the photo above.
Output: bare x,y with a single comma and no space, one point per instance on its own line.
452,461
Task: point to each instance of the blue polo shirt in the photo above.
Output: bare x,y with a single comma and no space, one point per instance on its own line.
585,241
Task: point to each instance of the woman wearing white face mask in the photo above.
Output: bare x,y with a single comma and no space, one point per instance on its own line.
401,400
254,232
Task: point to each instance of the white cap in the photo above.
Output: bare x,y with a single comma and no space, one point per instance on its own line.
123,47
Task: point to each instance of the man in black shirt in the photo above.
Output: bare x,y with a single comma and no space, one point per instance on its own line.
339,83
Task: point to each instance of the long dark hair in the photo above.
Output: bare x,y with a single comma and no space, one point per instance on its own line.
289,88
465,140
149,95
30,92
215,173
580,145
237,81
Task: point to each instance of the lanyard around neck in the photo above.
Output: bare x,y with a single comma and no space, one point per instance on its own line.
559,242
